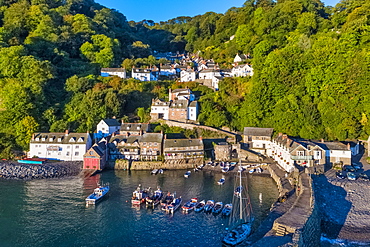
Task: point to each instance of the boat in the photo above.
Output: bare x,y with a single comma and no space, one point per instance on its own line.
221,181
189,205
225,169
167,200
259,170
160,171
200,206
154,199
226,211
209,205
97,195
252,171
241,220
217,208
139,195
154,172
176,203
187,174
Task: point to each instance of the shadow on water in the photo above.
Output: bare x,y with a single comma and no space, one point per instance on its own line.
332,203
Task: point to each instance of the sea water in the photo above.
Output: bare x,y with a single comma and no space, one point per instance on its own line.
53,212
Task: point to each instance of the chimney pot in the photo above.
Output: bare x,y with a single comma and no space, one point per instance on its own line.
280,134
66,133
322,140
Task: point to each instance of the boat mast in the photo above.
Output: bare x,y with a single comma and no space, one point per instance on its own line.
240,184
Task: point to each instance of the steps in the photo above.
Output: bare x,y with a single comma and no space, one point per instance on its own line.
280,231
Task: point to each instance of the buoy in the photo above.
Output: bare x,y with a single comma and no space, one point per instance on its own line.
126,201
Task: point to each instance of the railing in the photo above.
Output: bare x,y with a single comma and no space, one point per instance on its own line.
307,157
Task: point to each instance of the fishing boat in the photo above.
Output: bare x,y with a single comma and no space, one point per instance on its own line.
167,200
221,181
227,210
176,203
241,220
217,208
139,195
187,174
209,205
97,195
154,171
189,205
200,206
155,199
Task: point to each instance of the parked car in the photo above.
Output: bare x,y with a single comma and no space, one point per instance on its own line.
351,176
349,168
363,176
340,175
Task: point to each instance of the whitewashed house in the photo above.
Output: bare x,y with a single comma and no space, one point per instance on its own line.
242,70
215,81
193,111
258,139
181,94
167,70
159,109
337,152
144,74
209,74
240,58
108,126
60,146
120,72
188,75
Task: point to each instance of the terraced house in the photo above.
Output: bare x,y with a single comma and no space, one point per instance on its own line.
186,150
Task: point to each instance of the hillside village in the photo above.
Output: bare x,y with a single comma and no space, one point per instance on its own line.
185,68
137,142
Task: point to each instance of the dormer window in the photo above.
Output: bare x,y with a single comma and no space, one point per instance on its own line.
37,139
43,139
138,127
51,139
72,139
59,139
127,127
81,139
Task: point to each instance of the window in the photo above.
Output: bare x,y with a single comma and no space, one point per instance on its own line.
39,152
102,128
300,153
67,154
87,167
91,152
77,147
59,153
68,147
77,153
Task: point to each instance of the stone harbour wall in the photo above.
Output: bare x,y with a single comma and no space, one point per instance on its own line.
12,170
150,165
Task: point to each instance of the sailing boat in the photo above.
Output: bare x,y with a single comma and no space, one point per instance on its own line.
241,220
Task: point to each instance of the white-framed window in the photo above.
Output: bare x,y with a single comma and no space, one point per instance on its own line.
77,153
77,147
67,154
300,153
68,147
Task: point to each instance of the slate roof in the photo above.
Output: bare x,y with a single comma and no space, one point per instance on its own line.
134,127
112,122
193,104
113,70
168,143
333,146
151,137
255,131
179,104
159,102
60,138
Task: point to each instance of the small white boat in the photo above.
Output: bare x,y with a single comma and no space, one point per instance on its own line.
160,171
187,174
154,172
209,206
225,169
258,170
97,194
252,171
200,206
176,203
221,181
188,206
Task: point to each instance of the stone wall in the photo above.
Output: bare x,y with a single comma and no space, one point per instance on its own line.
150,165
9,170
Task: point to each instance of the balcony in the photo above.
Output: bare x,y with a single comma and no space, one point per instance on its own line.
308,157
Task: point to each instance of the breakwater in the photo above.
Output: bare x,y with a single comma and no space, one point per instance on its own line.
12,170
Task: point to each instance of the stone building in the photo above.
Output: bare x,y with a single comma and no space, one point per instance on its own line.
258,139
187,150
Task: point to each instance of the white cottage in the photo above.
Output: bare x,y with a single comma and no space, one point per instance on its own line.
144,74
120,72
193,111
108,126
188,75
60,146
242,70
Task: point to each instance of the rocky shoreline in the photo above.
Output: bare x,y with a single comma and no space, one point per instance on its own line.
13,170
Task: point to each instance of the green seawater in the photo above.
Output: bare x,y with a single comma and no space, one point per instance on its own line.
53,212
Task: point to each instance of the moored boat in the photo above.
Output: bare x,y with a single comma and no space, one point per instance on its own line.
97,195
167,200
154,172
226,211
155,199
200,206
221,181
187,174
225,169
209,205
160,171
139,195
176,203
241,222
189,205
217,208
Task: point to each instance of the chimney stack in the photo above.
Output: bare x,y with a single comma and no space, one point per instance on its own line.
285,137
322,140
280,134
348,146
165,136
33,136
66,133
141,132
